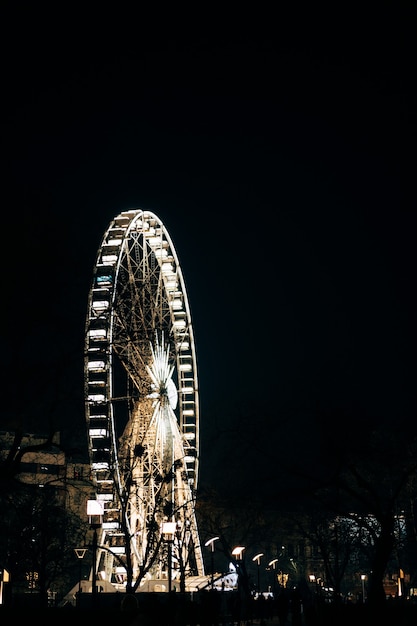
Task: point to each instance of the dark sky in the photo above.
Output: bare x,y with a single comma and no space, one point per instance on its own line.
282,162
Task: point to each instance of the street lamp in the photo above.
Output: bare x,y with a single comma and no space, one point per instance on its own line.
257,558
363,577
168,533
238,552
95,512
273,565
210,543
79,553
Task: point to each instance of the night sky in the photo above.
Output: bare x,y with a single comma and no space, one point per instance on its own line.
282,164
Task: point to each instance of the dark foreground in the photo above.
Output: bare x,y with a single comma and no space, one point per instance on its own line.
179,611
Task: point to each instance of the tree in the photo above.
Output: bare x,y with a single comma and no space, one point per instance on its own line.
165,507
371,481
38,530
248,524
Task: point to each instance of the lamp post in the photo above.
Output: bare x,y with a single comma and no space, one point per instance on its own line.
95,511
363,577
210,543
79,553
257,558
273,565
168,532
238,554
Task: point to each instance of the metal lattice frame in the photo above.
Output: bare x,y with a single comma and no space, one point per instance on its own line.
141,391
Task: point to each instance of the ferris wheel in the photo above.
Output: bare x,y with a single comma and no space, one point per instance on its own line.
142,398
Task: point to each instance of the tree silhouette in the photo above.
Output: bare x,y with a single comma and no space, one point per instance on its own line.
373,481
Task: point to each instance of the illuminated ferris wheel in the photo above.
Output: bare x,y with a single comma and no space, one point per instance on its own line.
141,398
